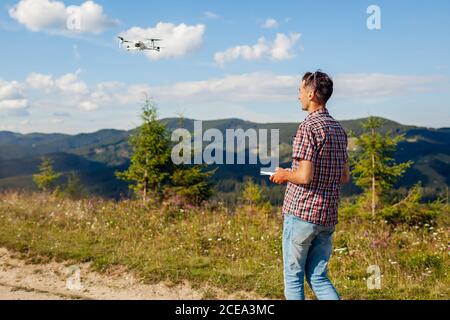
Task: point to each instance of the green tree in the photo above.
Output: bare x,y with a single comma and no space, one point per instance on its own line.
252,193
150,160
374,168
410,211
74,188
252,196
191,181
46,178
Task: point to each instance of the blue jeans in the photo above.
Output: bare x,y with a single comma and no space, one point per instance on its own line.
306,251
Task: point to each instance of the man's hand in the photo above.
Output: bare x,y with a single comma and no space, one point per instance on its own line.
280,176
302,175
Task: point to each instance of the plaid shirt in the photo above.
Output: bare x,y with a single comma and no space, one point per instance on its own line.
322,140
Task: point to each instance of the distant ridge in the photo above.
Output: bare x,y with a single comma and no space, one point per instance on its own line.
97,155
173,122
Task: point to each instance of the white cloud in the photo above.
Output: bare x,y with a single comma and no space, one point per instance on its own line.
88,105
61,114
372,86
270,23
66,84
235,88
67,89
12,96
178,40
69,84
40,81
279,49
282,46
257,51
10,90
69,92
268,87
14,104
55,17
210,15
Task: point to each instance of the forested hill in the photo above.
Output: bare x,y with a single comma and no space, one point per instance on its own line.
95,156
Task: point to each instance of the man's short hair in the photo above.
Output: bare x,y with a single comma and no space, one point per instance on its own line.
321,83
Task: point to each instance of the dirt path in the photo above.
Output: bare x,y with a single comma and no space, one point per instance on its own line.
54,280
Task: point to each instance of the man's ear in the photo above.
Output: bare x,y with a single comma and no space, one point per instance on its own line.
311,95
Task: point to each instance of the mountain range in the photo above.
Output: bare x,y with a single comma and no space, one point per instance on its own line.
96,156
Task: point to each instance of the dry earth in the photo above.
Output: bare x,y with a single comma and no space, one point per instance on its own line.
22,280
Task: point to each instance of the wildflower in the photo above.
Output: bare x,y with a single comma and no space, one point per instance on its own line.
340,250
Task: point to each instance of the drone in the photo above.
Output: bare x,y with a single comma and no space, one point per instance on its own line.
146,44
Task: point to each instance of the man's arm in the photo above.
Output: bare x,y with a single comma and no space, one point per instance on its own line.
304,150
302,175
346,174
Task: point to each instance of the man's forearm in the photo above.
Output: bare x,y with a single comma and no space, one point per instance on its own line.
297,177
302,175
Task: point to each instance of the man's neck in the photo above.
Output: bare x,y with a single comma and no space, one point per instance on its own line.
316,107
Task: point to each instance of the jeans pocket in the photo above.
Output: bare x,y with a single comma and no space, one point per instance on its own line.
303,232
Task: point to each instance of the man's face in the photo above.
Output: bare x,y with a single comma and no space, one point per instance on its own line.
303,96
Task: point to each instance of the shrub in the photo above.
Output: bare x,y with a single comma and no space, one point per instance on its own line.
410,211
191,183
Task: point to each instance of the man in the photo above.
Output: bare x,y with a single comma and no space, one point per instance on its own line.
319,166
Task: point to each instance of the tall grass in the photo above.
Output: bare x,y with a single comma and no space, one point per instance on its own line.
237,249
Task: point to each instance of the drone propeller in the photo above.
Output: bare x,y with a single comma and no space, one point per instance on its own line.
154,39
122,40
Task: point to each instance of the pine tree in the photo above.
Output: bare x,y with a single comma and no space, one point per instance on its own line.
191,181
74,187
45,179
150,160
374,168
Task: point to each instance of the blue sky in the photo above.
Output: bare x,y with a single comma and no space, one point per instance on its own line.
221,59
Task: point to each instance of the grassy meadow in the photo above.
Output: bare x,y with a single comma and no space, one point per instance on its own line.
234,249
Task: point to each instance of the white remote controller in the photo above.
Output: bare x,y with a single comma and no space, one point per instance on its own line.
266,173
